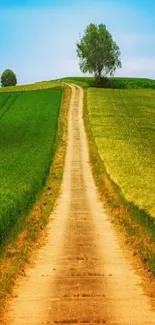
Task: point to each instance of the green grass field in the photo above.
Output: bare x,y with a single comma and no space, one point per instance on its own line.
28,137
123,125
34,86
116,83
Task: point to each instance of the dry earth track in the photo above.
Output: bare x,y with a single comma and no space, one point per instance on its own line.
81,275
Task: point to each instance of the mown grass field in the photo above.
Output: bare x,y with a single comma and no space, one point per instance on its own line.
28,138
123,125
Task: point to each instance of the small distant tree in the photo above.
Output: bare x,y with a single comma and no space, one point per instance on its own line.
98,52
8,78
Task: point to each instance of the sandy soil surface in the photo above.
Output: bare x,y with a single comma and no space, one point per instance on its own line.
81,275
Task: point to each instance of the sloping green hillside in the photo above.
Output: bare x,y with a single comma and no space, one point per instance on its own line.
116,83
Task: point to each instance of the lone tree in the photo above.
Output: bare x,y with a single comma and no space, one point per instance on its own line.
8,78
98,52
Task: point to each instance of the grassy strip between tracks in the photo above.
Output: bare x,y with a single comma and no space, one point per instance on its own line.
21,250
136,227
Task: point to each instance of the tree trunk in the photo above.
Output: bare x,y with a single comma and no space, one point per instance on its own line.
98,77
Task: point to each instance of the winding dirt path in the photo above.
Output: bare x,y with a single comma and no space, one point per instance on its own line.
81,275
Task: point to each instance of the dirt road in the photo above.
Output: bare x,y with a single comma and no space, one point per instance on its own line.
81,275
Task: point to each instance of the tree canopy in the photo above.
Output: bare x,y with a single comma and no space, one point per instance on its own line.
98,52
8,78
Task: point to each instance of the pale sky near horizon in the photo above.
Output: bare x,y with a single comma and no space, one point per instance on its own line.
38,37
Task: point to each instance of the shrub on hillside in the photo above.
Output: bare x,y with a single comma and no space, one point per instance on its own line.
8,78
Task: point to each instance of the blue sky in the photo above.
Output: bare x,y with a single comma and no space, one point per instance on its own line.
38,37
